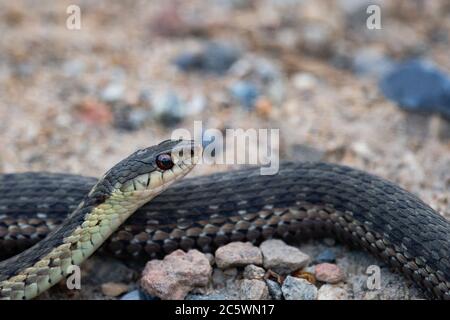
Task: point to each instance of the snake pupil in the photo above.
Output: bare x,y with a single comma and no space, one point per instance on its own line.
164,161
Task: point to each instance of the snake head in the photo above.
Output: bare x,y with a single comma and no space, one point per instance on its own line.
148,171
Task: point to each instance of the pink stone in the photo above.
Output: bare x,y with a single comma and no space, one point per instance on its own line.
329,273
176,275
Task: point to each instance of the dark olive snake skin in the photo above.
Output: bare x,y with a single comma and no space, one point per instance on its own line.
303,200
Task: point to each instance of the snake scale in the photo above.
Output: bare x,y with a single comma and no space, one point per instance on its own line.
302,200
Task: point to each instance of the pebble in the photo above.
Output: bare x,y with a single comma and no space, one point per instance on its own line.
95,112
138,295
238,254
169,108
329,273
326,255
176,275
114,289
213,58
253,290
196,105
132,295
246,93
113,92
330,292
304,81
254,272
298,289
418,86
281,258
274,289
130,119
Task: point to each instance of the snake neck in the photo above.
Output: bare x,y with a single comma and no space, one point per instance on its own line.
33,271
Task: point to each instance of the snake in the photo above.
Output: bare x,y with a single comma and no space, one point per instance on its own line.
57,218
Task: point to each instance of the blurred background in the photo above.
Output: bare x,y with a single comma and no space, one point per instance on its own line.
79,100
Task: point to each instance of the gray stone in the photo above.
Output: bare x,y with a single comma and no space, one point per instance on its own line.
298,289
274,289
282,258
253,290
246,93
325,256
113,92
332,292
169,108
132,295
238,254
254,272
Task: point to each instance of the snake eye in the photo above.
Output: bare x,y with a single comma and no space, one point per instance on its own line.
164,161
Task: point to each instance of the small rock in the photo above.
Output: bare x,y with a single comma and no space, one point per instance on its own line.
254,272
238,254
281,258
169,108
326,255
95,112
196,105
114,289
274,289
176,275
418,86
130,119
246,93
213,58
113,92
253,290
132,295
304,81
330,292
298,289
328,272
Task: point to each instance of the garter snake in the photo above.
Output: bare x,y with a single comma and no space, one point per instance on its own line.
303,200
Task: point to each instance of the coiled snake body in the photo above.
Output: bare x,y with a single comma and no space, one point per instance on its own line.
302,200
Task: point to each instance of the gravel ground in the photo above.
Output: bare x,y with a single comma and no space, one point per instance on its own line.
80,100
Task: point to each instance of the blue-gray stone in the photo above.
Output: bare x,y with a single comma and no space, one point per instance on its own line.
418,86
214,58
326,256
246,93
274,289
138,295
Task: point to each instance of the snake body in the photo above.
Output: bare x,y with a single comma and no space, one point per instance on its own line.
303,200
